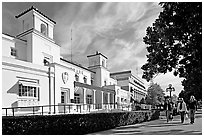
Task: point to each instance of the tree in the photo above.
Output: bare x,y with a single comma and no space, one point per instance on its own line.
155,95
175,44
174,98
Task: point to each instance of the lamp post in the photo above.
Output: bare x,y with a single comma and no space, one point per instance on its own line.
170,89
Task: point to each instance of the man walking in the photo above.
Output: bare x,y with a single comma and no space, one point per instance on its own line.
181,108
167,108
192,108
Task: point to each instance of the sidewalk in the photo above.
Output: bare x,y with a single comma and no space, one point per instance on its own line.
159,127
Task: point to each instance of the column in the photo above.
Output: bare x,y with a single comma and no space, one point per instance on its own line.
102,99
94,99
84,93
108,100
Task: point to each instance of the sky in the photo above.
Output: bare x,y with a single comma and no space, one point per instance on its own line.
114,29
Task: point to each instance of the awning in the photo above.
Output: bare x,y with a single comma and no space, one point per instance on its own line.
25,83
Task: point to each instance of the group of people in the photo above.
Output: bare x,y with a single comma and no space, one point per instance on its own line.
183,108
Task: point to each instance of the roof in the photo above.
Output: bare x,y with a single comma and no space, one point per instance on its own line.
33,8
78,65
14,37
97,53
122,72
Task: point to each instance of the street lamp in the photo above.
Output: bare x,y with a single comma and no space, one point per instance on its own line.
170,89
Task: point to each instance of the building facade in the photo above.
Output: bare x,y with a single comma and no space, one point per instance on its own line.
132,84
34,73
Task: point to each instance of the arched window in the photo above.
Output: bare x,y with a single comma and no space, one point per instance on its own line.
85,79
43,29
105,82
92,81
77,77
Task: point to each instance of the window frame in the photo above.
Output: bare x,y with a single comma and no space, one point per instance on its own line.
89,99
77,77
26,91
12,51
76,98
44,24
85,79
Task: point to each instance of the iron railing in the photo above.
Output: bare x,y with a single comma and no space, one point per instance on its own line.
65,109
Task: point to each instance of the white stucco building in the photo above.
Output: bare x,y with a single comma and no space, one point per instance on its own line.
34,73
133,84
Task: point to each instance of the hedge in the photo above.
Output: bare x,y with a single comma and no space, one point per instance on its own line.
72,124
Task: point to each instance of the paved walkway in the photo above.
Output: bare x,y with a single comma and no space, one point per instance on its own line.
159,127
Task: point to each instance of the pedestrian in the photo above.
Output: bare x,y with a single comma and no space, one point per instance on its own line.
182,109
167,108
192,104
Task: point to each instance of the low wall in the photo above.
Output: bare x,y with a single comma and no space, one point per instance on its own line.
73,124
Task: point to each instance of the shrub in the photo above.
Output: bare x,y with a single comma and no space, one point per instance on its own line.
72,124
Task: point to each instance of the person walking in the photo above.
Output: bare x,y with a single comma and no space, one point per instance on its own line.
182,109
192,105
167,108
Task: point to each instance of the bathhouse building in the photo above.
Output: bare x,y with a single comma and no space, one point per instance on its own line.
34,73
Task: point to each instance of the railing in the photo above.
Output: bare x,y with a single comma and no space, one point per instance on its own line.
65,109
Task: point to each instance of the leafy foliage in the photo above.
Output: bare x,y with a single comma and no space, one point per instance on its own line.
174,98
73,124
175,44
155,95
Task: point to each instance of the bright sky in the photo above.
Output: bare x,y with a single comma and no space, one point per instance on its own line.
114,29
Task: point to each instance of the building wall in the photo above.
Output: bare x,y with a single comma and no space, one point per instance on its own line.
39,19
15,70
9,42
80,71
41,46
120,94
26,21
127,81
59,83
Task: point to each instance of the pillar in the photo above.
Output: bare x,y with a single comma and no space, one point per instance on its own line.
101,97
94,99
108,98
84,93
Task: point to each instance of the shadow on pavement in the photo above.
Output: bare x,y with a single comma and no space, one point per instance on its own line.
172,132
157,132
158,127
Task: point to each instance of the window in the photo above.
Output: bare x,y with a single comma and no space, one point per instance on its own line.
77,77
13,52
92,81
89,99
85,80
104,83
47,59
76,98
27,91
62,97
43,29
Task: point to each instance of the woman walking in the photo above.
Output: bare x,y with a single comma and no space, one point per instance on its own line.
192,108
167,108
181,108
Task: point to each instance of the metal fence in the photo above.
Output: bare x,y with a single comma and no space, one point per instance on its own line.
65,109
